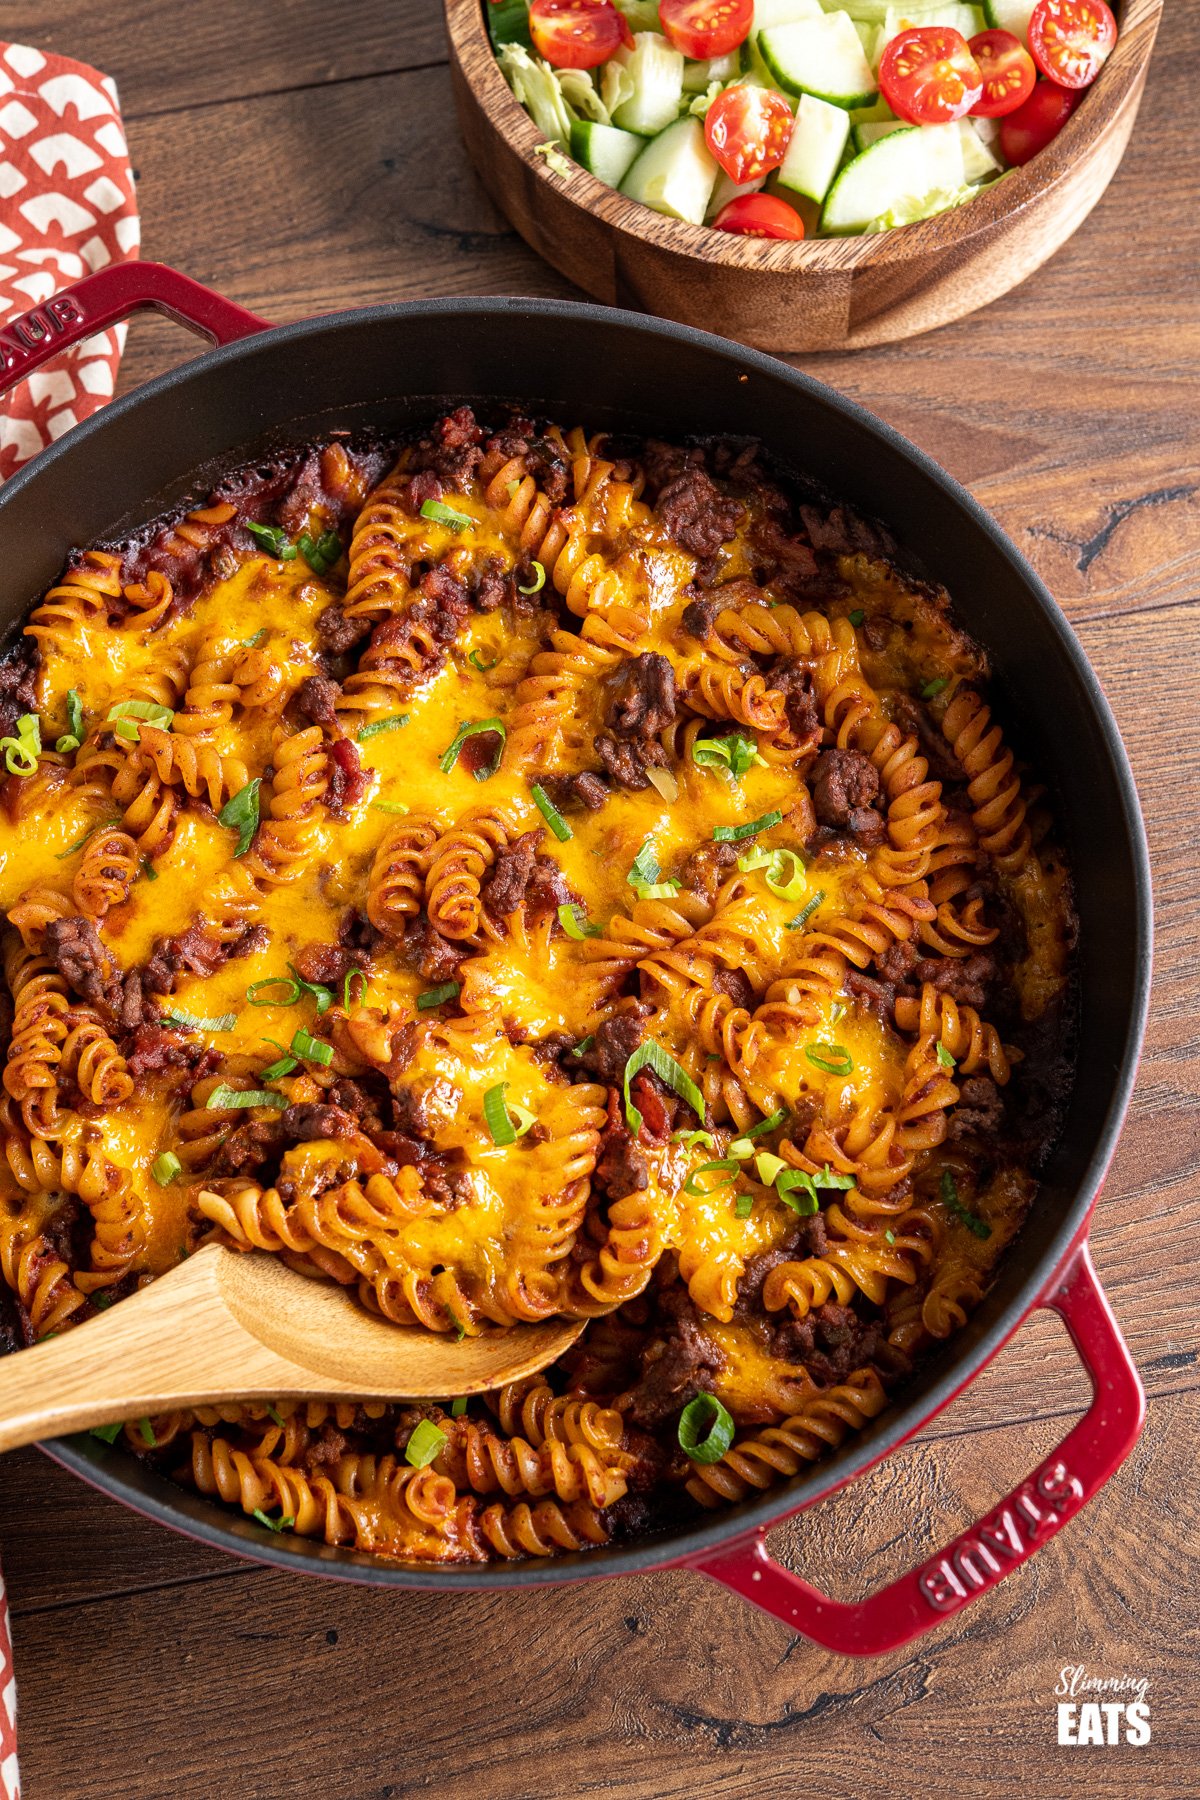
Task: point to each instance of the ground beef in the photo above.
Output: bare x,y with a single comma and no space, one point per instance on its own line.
965,978
695,514
896,962
504,889
913,718
314,700
18,684
842,782
832,1342
301,1123
706,868
451,449
246,1147
613,1044
679,1360
348,780
843,533
699,617
642,699
736,984
621,1167
356,932
353,1098
980,1110
425,485
429,953
336,633
449,1188
626,762
806,1238
437,615
493,586
571,792
540,455
794,680
197,950
152,1051
74,948
327,965
871,995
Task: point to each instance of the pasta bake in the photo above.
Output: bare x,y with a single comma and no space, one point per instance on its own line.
515,873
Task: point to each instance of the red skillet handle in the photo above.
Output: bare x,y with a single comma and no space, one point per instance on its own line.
1005,1538
104,299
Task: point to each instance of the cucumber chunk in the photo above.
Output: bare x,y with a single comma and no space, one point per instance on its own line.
768,13
896,174
699,75
823,57
870,133
675,173
1010,15
604,150
979,161
815,150
728,189
656,71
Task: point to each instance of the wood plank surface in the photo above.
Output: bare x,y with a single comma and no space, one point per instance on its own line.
304,163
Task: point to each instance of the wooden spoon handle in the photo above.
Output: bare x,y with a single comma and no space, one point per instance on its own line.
165,1345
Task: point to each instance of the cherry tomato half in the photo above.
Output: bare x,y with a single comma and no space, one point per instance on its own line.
1037,122
929,76
575,34
1072,40
703,28
761,216
1007,70
748,130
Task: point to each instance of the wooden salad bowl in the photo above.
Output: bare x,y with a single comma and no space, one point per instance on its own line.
826,293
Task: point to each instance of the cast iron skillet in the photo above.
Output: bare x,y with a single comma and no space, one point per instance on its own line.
391,365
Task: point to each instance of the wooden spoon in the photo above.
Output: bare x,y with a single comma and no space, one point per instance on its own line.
227,1325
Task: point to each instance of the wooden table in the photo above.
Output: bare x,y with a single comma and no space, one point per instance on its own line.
301,164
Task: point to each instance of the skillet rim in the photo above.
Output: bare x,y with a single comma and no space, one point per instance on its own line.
154,1497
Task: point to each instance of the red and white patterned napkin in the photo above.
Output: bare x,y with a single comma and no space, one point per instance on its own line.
67,207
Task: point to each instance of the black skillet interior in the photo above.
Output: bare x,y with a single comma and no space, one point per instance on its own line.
394,366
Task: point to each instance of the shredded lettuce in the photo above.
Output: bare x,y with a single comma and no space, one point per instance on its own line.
579,92
642,15
533,83
701,102
616,83
921,206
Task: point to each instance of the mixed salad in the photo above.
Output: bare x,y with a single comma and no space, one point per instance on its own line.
777,118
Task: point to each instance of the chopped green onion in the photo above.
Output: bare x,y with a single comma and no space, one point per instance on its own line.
147,1431
689,1139
827,1179
934,687
225,1098
185,1021
427,1440
645,866
441,514
108,1434
733,755
280,1524
322,995
657,890
161,717
734,834
837,1011
575,923
126,728
252,643
743,1206
795,1188
476,661
768,1167
584,1044
272,981
953,1204
890,1236
388,806
783,871
272,538
806,912
705,1429
165,1168
834,1059
458,1406
768,1124
392,722
856,617
550,813
474,729
460,1330
67,743
321,554
80,842
346,988
240,814
438,996
102,1301
149,870
539,581
74,713
312,1049
651,1055
277,1418
286,1064
505,1119
696,1189
944,1057
21,752
741,1148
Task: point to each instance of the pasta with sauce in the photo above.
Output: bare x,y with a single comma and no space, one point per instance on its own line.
520,872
